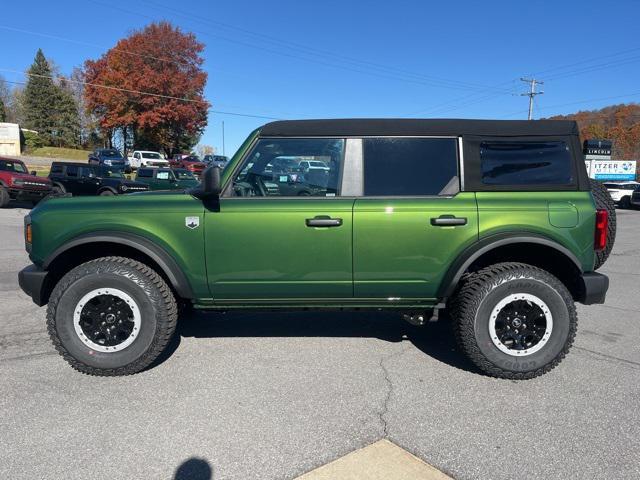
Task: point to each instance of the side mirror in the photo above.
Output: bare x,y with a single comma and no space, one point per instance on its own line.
128,170
211,182
34,173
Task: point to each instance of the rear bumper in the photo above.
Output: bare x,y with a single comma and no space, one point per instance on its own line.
32,281
593,288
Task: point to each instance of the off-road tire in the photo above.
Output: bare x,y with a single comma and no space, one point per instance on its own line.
155,300
603,200
4,197
106,193
625,202
480,292
58,189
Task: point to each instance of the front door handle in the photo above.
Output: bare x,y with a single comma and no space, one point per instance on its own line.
448,221
323,221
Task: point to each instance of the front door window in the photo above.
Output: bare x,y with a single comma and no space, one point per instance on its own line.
291,167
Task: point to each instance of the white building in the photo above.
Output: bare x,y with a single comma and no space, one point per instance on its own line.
9,139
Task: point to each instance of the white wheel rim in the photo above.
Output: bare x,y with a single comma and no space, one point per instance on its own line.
136,318
531,299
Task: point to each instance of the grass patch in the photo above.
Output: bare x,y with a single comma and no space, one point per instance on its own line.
63,153
41,170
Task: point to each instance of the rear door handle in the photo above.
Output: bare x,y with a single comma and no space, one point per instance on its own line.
323,221
448,221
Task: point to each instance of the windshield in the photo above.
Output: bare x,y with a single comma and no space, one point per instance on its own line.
112,173
183,175
110,153
17,167
318,164
152,155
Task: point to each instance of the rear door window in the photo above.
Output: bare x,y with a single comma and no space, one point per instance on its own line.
526,163
409,166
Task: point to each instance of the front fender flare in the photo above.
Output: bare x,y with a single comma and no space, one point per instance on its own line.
167,263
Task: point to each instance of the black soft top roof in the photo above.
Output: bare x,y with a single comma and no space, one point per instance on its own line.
353,127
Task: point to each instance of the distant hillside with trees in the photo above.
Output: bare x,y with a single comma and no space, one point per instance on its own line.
620,123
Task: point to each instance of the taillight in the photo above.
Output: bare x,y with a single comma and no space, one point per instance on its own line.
602,223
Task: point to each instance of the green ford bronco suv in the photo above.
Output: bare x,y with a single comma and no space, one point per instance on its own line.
495,221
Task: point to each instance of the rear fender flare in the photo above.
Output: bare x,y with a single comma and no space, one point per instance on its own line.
475,251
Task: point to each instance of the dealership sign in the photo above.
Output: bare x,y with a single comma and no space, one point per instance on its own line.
611,169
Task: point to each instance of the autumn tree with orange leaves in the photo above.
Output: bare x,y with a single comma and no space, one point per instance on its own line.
619,123
148,90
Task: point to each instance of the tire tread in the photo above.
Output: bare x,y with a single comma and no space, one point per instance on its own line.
474,288
167,315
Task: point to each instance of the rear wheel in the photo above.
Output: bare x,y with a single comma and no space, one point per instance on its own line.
603,201
111,316
625,202
514,320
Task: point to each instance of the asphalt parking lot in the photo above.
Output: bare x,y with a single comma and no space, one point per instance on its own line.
274,395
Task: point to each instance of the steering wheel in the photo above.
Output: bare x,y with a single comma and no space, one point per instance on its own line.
258,185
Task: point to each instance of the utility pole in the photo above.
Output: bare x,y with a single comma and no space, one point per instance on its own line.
223,138
531,93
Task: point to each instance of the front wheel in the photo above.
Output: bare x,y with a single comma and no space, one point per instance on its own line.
111,316
514,320
4,197
106,193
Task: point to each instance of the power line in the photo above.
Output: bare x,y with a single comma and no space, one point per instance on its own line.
392,74
312,50
78,42
139,92
531,93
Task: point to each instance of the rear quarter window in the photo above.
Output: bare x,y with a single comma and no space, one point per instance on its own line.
526,163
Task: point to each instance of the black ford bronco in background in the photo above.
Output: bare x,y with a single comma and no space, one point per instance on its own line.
83,179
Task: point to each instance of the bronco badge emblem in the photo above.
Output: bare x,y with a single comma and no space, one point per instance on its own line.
192,222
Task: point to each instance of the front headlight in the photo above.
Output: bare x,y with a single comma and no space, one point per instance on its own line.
18,182
107,162
123,188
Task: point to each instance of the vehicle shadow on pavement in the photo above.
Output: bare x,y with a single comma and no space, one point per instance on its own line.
194,469
434,338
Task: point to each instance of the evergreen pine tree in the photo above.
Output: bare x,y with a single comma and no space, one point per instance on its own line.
67,119
3,112
40,98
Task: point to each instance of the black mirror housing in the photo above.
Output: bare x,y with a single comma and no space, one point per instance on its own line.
209,187
211,182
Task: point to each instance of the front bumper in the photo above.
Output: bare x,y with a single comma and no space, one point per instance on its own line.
28,195
593,288
32,281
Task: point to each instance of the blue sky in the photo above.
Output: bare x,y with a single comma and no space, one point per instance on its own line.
330,58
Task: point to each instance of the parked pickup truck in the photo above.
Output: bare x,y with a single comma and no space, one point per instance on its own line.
143,158
109,157
166,178
16,183
191,163
496,222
